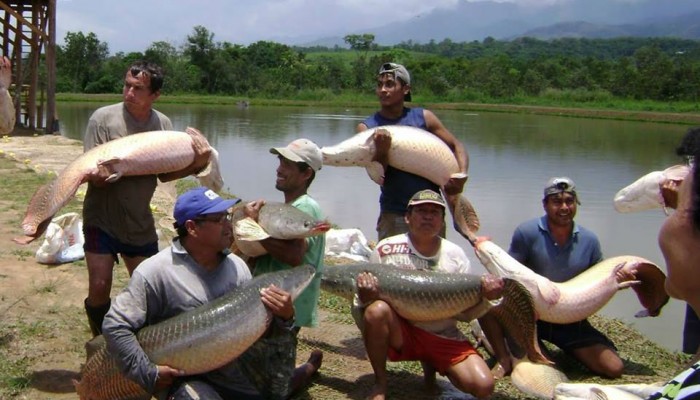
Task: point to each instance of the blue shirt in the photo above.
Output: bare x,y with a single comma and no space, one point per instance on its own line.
400,185
533,245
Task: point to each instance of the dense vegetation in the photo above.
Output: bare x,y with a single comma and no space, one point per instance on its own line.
596,70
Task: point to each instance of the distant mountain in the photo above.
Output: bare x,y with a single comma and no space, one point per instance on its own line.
684,27
476,20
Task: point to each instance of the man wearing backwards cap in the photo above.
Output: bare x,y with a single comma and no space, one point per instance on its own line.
299,162
439,345
196,269
557,248
393,89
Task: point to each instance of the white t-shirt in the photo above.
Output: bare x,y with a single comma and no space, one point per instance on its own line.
399,251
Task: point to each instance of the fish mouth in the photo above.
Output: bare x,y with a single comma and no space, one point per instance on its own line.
321,227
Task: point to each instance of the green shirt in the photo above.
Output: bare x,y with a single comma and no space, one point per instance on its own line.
306,305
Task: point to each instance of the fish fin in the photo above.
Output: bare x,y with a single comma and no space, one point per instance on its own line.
114,177
109,161
249,230
598,394
626,284
650,291
375,170
516,314
548,291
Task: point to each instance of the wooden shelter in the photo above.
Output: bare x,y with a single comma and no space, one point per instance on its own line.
28,39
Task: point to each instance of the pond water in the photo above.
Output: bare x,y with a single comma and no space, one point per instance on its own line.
511,158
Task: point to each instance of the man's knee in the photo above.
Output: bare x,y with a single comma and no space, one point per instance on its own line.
377,312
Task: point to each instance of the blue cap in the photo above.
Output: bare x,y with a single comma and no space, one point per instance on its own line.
200,201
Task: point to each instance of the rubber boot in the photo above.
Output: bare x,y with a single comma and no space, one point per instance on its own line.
95,316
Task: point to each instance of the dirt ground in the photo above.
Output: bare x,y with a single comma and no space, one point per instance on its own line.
43,327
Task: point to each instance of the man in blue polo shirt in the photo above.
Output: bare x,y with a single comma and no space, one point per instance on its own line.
557,248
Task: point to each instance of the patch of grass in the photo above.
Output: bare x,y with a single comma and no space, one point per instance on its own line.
22,255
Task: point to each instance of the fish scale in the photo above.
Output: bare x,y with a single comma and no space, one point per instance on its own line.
196,341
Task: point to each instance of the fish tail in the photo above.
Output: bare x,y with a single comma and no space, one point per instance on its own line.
516,313
79,389
37,209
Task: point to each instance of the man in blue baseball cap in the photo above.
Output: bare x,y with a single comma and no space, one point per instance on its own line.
201,203
197,268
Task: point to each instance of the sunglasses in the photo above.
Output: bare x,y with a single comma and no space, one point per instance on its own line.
217,218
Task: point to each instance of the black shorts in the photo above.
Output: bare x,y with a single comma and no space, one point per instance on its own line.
99,242
569,337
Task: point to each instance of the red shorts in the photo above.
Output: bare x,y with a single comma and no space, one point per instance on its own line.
421,345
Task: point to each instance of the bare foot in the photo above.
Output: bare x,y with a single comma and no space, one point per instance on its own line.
378,393
303,373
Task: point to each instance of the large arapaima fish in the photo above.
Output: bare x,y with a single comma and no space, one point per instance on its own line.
429,296
196,341
586,293
412,150
146,153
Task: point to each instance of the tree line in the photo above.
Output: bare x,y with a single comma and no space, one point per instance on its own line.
662,69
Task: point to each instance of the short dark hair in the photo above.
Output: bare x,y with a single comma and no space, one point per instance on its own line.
152,70
302,168
690,143
695,191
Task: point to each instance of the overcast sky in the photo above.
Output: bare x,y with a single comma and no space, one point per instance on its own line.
132,25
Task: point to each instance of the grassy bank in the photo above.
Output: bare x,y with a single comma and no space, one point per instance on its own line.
561,103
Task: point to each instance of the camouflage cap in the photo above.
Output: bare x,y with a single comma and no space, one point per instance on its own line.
426,196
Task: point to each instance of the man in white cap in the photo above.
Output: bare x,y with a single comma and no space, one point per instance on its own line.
557,248
439,345
298,163
393,90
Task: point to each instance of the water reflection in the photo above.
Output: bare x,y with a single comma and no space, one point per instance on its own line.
511,158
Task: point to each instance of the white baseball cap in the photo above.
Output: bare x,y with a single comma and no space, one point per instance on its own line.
301,150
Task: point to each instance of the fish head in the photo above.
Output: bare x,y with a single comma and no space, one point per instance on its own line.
211,175
642,194
354,151
496,260
339,281
284,221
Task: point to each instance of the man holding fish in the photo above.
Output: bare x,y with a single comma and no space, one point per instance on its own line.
117,219
299,162
439,345
557,248
393,90
196,269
